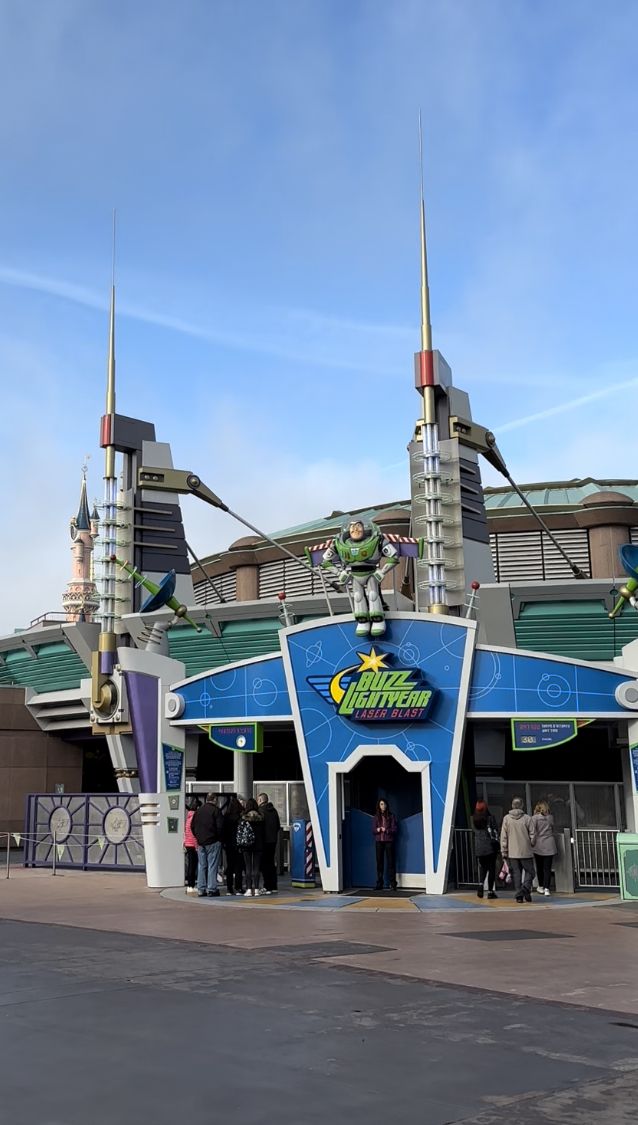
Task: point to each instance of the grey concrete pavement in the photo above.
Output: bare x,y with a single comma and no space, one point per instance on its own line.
106,1027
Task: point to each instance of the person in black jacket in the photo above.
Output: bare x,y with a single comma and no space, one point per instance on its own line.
234,860
272,824
251,851
485,847
206,826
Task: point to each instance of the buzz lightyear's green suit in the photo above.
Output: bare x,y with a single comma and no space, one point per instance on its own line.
361,554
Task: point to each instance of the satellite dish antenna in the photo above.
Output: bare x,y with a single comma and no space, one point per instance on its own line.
628,555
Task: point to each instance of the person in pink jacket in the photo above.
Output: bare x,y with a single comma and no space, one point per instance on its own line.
190,849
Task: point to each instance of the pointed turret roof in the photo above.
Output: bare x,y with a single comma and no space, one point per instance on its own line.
95,515
83,518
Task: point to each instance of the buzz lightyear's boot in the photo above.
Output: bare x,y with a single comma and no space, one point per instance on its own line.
363,626
378,626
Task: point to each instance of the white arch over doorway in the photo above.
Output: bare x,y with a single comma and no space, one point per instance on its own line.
332,875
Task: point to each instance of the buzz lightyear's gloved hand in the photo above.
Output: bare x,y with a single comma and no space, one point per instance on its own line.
380,573
343,577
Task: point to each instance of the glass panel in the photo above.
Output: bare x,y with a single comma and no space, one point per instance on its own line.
298,804
276,791
557,796
595,806
500,794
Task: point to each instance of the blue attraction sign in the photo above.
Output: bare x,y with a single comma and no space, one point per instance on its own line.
404,696
243,738
173,766
538,734
634,762
374,690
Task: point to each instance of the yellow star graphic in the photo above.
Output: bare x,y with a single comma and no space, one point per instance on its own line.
371,661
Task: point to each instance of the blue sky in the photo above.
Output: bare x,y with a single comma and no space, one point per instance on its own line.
263,161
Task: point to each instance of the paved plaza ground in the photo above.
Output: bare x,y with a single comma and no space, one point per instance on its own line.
119,1004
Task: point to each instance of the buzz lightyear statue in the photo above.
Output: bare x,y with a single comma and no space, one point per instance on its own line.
362,555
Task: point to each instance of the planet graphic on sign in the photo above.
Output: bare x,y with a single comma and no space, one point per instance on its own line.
241,741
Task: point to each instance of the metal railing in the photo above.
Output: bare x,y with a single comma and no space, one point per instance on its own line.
596,858
465,865
56,850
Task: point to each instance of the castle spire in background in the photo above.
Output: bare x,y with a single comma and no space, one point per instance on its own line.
81,600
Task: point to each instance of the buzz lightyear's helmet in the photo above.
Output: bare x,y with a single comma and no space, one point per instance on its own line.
369,528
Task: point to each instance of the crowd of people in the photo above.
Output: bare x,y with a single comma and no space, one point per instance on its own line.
524,846
241,842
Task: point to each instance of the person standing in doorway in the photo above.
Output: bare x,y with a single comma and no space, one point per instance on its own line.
206,827
517,846
385,830
485,847
544,847
272,824
250,841
190,847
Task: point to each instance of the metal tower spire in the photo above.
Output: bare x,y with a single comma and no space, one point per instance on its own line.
437,596
101,691
426,327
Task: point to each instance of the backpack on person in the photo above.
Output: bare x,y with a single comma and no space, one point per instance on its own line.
493,834
245,837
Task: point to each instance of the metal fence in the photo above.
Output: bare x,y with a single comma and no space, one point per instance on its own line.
596,858
464,867
84,830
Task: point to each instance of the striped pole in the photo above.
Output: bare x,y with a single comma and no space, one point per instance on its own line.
302,873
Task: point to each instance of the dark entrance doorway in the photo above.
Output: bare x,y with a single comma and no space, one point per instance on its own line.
373,778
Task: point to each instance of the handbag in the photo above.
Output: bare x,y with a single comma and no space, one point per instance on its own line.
505,874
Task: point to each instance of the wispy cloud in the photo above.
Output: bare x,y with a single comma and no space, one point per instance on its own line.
569,405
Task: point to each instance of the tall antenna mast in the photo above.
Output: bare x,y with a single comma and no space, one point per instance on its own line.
426,326
437,595
107,642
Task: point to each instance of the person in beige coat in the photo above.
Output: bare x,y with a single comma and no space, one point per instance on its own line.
545,847
517,847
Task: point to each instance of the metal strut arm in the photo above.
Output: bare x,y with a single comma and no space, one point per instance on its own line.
483,441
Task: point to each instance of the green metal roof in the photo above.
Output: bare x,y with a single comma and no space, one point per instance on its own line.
55,668
579,630
335,520
557,494
240,640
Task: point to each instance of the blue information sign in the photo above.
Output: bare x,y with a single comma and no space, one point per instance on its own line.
243,738
173,766
539,734
634,761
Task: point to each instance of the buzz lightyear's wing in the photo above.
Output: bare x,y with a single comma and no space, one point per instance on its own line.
406,546
315,554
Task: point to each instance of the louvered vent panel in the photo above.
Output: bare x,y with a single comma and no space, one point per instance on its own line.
519,557
288,577
575,542
299,581
225,583
272,578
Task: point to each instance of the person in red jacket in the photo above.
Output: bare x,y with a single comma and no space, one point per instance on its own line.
384,830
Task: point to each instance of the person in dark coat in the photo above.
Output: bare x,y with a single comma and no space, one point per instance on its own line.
485,847
251,852
206,827
234,859
272,824
384,830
